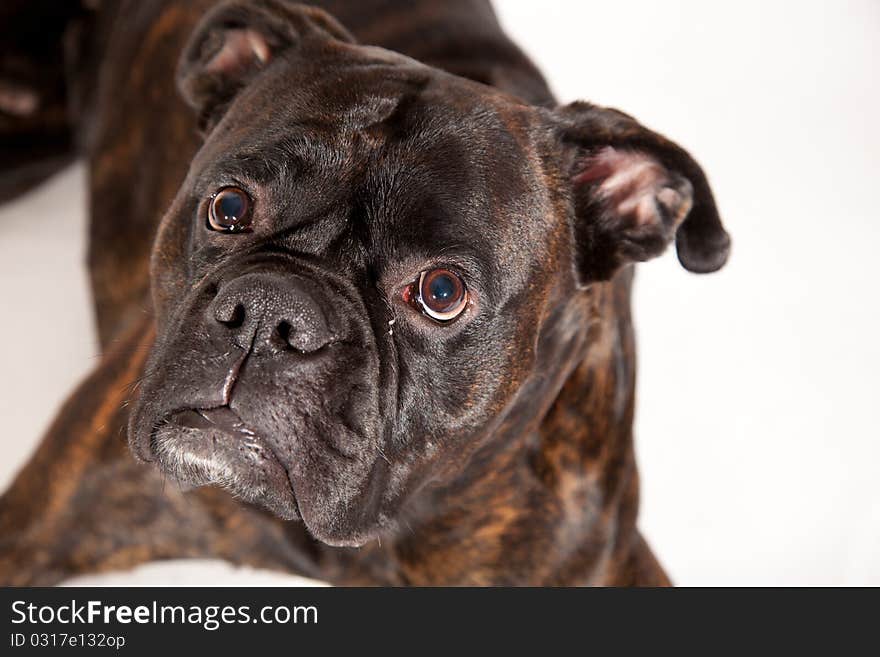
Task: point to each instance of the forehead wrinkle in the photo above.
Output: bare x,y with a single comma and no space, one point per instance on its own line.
352,96
322,122
294,154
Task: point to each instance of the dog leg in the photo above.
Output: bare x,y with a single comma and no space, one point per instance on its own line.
641,568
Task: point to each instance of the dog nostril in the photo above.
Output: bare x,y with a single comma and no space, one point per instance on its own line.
284,332
233,319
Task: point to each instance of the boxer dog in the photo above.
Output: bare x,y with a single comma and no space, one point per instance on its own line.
363,289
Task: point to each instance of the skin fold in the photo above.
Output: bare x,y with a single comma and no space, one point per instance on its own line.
285,374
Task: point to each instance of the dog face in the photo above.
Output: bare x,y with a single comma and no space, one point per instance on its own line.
354,281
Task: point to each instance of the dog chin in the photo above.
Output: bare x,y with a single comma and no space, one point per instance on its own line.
213,447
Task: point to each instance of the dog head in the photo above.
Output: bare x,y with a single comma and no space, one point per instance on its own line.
353,282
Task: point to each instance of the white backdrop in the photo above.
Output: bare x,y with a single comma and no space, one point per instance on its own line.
756,428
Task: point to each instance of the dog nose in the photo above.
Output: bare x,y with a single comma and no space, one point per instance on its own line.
271,311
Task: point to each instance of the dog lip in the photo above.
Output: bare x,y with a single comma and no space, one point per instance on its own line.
224,420
221,417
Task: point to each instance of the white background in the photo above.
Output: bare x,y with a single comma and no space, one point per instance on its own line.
757,418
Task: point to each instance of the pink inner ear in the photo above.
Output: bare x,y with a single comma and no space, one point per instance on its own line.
241,48
17,100
631,183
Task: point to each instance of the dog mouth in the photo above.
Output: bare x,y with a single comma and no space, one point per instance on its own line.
213,446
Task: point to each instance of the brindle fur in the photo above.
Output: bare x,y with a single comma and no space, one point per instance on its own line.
552,503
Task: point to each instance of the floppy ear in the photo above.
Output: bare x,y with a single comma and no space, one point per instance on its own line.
634,191
236,40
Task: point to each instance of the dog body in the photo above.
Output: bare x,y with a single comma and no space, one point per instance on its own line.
272,205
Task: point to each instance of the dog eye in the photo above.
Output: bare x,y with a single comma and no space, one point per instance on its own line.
229,210
442,294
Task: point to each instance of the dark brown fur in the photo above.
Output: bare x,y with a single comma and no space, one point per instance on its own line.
553,503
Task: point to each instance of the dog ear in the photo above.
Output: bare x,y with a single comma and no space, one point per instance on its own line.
634,191
236,40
